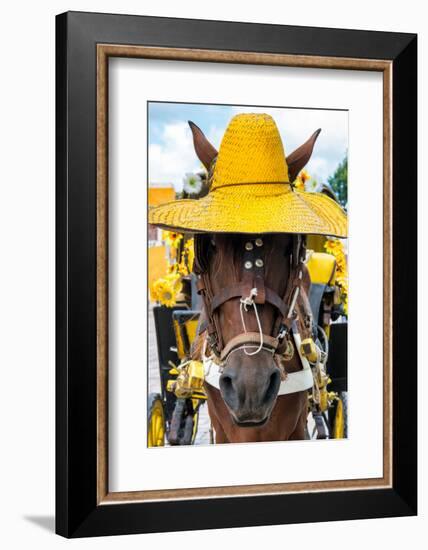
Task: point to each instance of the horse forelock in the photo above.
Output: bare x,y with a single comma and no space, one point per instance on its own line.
226,264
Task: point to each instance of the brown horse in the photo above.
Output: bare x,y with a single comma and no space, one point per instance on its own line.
248,332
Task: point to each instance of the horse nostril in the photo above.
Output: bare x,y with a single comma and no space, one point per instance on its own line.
228,390
226,383
272,389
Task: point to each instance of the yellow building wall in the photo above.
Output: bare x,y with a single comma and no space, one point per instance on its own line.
159,195
157,262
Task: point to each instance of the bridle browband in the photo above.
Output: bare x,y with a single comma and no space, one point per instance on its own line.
252,291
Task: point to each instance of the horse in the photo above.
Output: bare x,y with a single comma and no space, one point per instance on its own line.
246,330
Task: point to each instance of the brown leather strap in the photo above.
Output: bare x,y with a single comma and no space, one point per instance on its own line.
249,338
240,290
292,281
203,322
248,272
253,277
204,289
229,292
273,298
259,272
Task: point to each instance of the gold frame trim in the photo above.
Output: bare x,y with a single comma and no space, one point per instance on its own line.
104,51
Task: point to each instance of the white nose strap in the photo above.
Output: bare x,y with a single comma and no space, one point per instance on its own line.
296,381
245,303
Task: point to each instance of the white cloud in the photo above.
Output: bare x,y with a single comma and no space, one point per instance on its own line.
170,160
297,125
214,135
175,155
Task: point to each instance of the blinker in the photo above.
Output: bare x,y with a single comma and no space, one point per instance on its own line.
309,350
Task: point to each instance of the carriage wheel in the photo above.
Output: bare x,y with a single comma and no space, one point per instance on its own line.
155,421
340,423
195,426
184,422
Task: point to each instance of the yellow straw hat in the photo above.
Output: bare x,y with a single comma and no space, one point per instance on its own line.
250,190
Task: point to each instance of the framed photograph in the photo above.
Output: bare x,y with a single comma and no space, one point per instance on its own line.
236,248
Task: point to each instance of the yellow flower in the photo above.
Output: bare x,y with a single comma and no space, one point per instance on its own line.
341,280
174,279
155,289
172,269
340,265
182,267
190,254
299,184
345,304
165,289
331,246
185,265
172,238
335,247
167,297
302,178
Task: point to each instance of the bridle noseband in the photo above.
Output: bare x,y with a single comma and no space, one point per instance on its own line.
252,291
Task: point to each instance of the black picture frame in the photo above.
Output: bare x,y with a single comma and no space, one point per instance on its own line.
77,511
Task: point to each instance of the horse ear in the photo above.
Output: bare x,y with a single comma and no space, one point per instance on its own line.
300,157
205,151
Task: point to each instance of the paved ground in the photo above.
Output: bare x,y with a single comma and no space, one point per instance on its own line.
202,437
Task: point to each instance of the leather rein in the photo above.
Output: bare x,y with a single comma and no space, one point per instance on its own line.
292,308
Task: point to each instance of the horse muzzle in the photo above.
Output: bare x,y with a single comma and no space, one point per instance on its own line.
249,386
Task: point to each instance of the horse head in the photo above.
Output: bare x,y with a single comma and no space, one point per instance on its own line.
247,283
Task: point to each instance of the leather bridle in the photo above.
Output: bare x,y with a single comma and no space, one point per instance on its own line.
291,308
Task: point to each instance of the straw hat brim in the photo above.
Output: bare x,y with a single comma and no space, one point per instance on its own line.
255,209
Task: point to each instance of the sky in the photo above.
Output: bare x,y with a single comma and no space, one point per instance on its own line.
171,152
